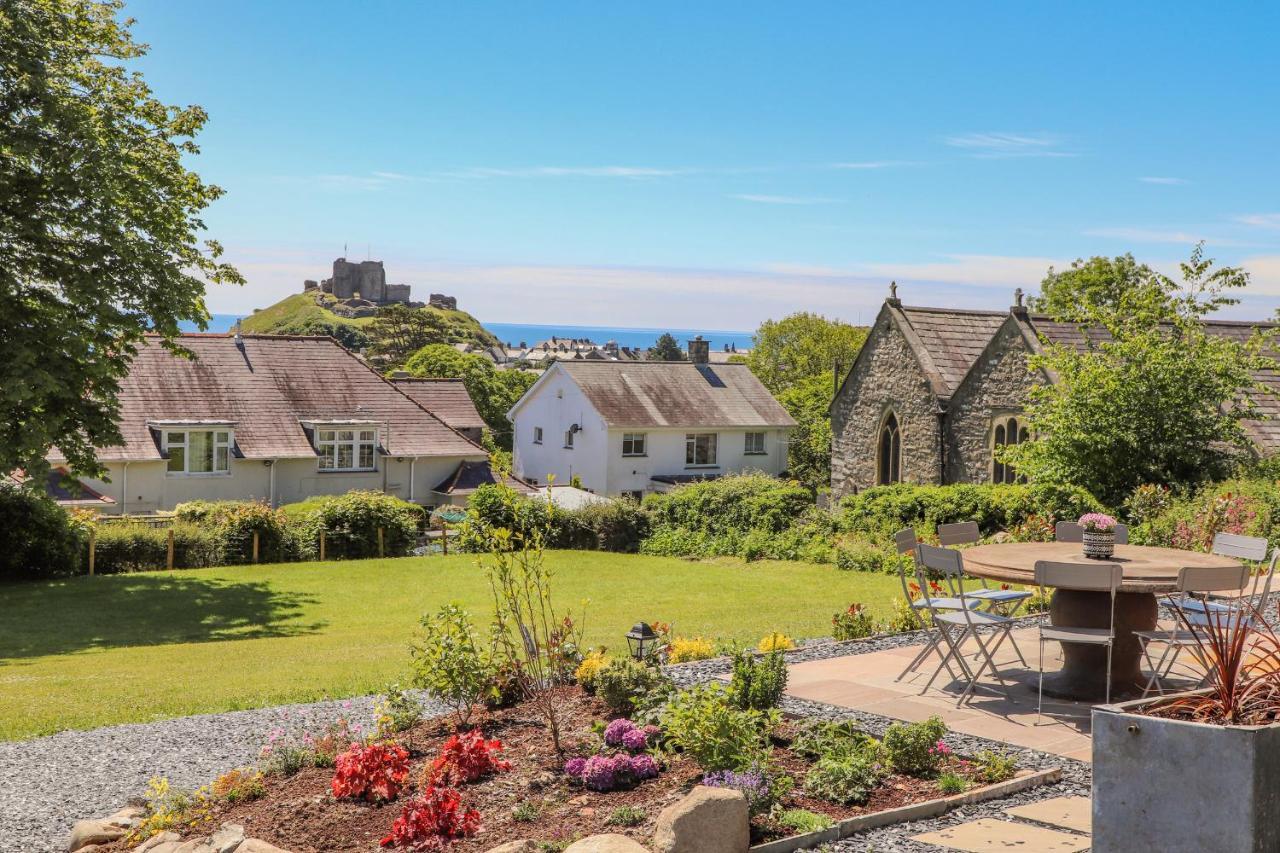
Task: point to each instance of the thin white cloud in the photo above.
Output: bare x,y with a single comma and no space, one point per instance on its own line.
783,199
1260,220
1162,235
1165,181
998,145
1002,271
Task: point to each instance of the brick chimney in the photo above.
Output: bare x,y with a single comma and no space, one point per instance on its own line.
699,350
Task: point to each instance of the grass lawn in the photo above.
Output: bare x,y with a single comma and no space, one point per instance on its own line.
88,652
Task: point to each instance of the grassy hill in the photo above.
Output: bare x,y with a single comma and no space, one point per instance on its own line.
304,314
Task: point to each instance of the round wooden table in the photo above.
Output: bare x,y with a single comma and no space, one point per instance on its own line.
1147,571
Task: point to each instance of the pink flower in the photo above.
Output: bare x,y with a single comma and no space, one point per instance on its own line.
575,767
643,767
617,730
634,740
1097,522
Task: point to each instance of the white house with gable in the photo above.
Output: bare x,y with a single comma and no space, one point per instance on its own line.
630,428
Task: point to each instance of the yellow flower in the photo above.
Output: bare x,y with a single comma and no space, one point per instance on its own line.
776,641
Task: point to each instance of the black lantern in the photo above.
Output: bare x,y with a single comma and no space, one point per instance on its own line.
642,640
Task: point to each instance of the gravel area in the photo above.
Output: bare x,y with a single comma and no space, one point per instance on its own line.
51,782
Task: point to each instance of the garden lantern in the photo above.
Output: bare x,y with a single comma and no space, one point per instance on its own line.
642,640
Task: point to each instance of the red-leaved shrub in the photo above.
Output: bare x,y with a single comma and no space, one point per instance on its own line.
466,758
374,772
432,820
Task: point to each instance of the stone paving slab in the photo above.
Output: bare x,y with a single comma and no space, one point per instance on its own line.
988,835
1066,812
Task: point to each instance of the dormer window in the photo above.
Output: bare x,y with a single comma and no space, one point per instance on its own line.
198,452
351,449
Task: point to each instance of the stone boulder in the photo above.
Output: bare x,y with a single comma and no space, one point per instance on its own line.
155,842
257,845
86,832
524,845
606,844
706,820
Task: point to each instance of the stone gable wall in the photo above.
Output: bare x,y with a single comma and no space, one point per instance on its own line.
888,378
999,384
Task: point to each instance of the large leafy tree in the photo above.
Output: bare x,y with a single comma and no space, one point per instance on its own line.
493,391
798,359
399,331
666,348
99,225
1153,397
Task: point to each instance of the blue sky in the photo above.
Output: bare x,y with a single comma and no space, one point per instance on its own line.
715,164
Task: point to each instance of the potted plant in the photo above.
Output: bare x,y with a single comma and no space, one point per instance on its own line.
1199,770
1099,537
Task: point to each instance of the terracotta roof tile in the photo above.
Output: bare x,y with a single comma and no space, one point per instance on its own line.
676,394
266,391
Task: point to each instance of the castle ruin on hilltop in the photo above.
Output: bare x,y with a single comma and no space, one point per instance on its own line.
360,289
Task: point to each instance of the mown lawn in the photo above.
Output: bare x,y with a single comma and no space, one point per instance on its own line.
89,652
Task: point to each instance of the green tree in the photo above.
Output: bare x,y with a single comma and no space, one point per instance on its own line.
399,331
666,348
99,225
797,358
1155,398
493,391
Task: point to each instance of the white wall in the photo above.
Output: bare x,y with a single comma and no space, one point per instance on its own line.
665,454
557,405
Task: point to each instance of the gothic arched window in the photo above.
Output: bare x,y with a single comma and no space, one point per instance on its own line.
889,455
1008,430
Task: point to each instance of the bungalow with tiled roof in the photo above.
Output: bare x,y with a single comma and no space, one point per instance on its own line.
934,391
277,418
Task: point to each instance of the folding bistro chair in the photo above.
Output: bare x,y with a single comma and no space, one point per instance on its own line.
1003,601
905,541
1252,548
957,626
1193,581
1102,577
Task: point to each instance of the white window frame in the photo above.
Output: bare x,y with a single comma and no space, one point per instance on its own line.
759,438
537,435
634,438
330,443
568,439
221,438
710,460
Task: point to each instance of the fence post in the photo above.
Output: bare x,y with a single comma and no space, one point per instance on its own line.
381,549
322,546
255,546
93,547
444,536
169,559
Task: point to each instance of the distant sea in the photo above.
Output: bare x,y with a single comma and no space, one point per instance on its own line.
514,333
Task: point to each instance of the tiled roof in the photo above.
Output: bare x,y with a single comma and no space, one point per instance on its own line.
953,338
471,475
266,391
447,399
1265,432
63,488
676,394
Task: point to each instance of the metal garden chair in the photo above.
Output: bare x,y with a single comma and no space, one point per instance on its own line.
1252,548
905,541
955,627
1102,577
1003,601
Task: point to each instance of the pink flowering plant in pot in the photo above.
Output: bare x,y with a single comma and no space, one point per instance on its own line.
1099,535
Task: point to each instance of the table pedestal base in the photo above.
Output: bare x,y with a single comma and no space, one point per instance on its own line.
1084,666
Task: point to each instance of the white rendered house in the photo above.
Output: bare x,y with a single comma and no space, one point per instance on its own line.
630,428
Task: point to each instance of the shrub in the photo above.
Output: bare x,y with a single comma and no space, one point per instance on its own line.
396,711
685,649
350,523
990,766
625,682
615,526
776,642
126,546
526,812
240,785
608,772
374,773
912,747
170,808
758,682
285,752
950,783
466,758
233,523
449,663
38,538
847,778
802,821
706,726
854,623
431,820
589,670
761,789
861,556
826,738
904,618
625,816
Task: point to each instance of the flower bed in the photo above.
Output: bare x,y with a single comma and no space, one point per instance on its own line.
478,790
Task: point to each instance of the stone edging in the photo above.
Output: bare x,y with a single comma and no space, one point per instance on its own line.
917,811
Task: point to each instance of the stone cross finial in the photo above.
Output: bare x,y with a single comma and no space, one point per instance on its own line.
893,290
1017,296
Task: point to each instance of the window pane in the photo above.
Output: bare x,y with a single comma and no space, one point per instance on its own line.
346,435
366,456
637,445
689,443
176,438
999,435
326,435
221,459
177,459
326,458
344,456
366,435
200,452
222,438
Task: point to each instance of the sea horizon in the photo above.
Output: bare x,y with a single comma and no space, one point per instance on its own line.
533,333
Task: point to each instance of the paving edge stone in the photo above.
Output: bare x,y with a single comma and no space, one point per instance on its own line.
917,811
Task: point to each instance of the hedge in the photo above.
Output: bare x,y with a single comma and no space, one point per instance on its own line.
350,524
38,538
125,546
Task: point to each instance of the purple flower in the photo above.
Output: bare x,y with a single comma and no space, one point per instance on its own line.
643,767
616,730
753,785
575,767
601,772
635,740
